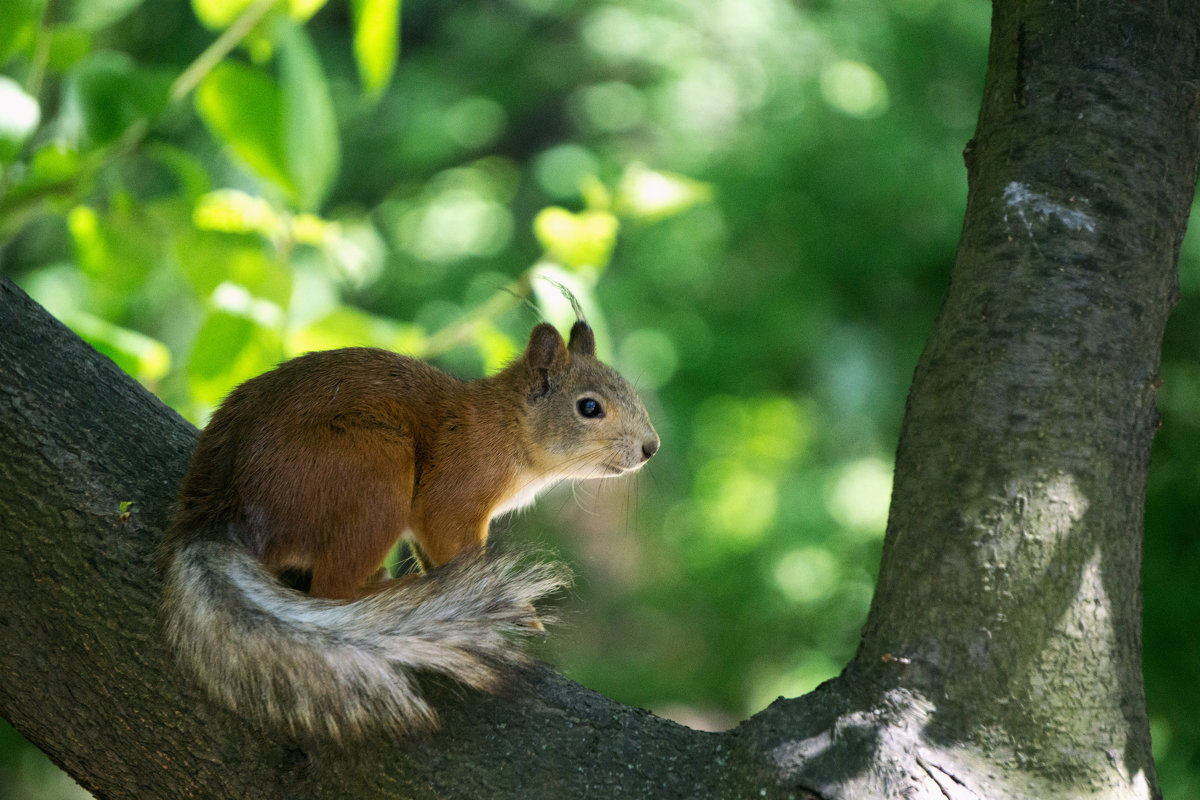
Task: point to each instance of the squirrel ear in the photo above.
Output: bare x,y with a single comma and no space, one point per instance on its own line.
544,352
545,347
583,340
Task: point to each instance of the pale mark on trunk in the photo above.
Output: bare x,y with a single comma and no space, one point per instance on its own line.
1028,203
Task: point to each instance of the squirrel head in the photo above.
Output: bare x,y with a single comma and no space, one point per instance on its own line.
586,419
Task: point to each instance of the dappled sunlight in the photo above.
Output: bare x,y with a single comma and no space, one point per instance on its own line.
1045,510
859,494
853,88
737,504
807,575
460,213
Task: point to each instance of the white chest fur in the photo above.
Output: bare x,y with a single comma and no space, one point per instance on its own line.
528,488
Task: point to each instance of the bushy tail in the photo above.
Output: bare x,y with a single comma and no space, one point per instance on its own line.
332,669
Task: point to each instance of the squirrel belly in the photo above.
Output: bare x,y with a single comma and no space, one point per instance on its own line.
306,477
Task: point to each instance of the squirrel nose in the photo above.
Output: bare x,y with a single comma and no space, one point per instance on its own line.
649,448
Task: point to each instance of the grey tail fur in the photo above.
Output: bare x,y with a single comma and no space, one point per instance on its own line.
334,669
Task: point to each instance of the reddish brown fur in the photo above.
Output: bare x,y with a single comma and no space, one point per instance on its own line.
323,463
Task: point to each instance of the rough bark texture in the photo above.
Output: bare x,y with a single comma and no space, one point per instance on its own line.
1011,569
1002,654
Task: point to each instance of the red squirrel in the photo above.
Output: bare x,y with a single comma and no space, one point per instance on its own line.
319,466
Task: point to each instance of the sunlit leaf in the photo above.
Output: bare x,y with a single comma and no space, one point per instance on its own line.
497,348
738,502
376,41
97,14
233,211
859,494
302,10
578,240
310,135
355,249
807,575
351,327
218,14
144,358
51,164
242,106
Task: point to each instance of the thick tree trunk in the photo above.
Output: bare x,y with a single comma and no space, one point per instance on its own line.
1002,653
1003,647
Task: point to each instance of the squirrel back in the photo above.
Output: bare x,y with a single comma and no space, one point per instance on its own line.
311,472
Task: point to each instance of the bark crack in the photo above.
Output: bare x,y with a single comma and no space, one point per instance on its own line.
950,785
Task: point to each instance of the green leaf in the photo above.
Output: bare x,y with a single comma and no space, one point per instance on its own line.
68,45
52,167
210,259
578,240
98,14
107,94
117,248
51,164
376,41
311,148
144,358
302,10
243,107
21,19
351,327
230,348
189,170
233,211
220,14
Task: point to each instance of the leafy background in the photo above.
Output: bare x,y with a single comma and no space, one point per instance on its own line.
757,201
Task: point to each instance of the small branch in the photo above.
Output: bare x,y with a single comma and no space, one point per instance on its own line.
41,55
233,35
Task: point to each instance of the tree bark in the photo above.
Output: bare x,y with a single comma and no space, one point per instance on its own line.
1001,657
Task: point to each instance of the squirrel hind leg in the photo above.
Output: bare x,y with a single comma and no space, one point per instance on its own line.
337,577
352,563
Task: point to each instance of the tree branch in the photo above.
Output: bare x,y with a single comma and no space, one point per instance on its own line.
86,674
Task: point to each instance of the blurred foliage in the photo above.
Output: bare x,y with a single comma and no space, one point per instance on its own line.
757,203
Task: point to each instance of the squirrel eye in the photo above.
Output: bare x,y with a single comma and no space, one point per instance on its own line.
590,408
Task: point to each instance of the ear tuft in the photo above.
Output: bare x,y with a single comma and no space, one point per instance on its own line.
583,340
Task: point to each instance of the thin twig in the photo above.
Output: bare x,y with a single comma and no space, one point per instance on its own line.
212,55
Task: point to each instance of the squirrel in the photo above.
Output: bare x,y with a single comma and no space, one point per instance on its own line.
305,478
